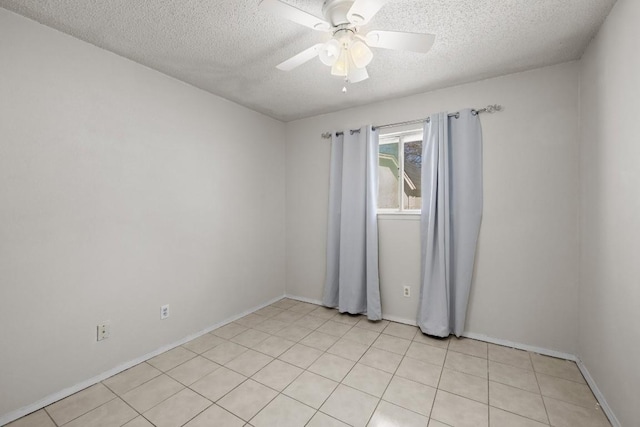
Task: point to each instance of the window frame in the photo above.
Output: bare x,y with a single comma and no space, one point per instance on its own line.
400,137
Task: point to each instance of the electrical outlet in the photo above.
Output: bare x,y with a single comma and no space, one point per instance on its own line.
104,331
406,291
164,312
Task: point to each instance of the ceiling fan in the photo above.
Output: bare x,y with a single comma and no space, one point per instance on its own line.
347,52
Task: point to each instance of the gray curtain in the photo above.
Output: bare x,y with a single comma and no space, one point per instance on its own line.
352,281
451,216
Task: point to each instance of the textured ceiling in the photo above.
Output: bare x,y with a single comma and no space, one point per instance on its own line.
231,47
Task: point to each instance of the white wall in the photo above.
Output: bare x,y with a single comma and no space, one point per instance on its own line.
525,287
609,342
122,189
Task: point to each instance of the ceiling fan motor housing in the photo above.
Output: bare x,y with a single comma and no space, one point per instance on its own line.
335,11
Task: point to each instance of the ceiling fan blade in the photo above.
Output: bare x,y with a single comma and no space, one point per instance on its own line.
276,7
299,59
362,11
413,42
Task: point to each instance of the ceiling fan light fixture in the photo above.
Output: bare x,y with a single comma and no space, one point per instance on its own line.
348,52
340,68
360,54
330,52
356,74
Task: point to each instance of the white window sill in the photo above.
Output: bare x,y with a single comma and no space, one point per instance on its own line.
403,216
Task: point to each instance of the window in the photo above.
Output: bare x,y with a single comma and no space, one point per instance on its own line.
400,155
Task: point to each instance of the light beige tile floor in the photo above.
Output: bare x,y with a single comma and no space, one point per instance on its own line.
296,364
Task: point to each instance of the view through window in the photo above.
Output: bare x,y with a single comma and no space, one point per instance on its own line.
400,155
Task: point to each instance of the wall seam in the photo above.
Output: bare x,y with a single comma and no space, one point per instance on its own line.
579,212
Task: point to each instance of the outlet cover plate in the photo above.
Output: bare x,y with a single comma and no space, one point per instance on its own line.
164,312
103,331
406,291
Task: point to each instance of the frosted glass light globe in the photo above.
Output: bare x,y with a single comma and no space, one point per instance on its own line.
361,54
330,52
341,66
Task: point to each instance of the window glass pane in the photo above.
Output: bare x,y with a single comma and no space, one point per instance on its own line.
388,171
412,169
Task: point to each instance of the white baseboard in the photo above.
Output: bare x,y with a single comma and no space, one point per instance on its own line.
519,346
472,335
598,394
303,299
54,397
398,319
318,302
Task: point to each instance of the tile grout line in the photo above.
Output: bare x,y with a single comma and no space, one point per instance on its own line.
385,389
544,405
514,413
433,404
84,413
341,382
229,392
320,412
127,403
190,419
303,370
142,383
392,375
347,374
151,379
134,410
162,401
50,417
574,403
520,415
488,396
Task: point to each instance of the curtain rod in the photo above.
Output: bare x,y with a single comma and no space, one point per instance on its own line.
488,109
